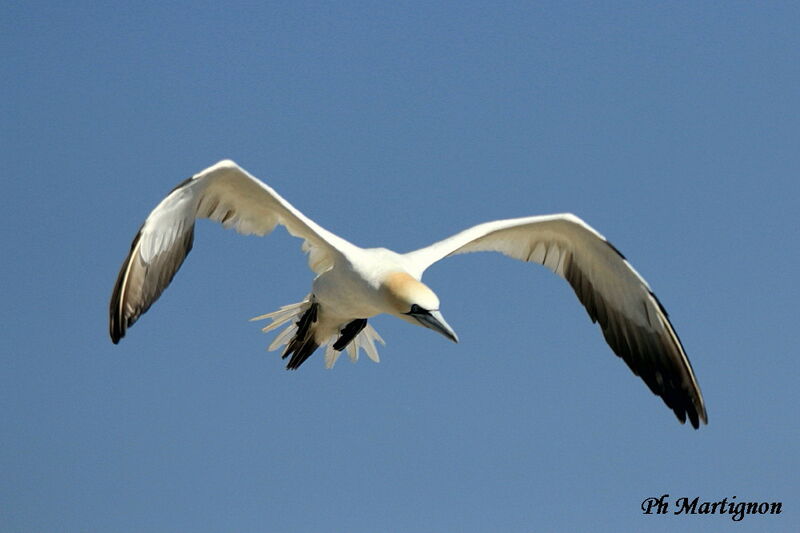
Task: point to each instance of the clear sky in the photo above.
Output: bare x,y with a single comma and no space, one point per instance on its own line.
671,127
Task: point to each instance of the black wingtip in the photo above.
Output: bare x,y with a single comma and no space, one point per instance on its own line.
693,418
116,318
685,409
117,327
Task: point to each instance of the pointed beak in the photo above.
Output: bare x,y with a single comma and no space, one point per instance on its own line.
435,321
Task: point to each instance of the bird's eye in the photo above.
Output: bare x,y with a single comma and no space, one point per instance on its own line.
417,310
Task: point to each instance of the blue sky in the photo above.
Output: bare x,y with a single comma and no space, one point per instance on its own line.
670,127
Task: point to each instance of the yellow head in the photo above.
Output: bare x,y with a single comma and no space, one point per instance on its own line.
414,302
403,291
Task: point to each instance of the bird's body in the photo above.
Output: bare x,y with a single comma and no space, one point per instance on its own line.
354,284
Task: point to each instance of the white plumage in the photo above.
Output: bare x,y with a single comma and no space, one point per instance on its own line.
354,284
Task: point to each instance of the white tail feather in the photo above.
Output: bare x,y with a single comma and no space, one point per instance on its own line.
283,337
331,356
365,340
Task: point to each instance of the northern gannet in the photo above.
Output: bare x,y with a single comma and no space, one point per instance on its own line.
354,284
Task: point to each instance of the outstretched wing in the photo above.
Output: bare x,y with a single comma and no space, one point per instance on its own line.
633,321
225,193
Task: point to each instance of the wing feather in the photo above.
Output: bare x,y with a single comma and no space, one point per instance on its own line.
634,323
227,194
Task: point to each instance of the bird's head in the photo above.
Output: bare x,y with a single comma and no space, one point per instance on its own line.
414,302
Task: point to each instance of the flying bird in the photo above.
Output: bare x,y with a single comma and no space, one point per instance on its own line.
353,284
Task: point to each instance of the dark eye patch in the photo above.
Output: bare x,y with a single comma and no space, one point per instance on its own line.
417,310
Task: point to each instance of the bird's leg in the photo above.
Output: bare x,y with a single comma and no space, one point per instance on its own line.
303,344
349,332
